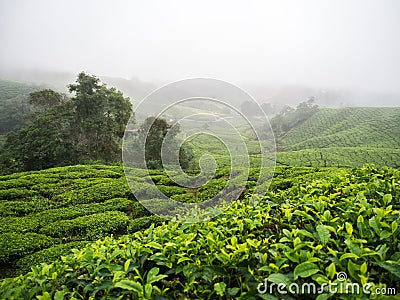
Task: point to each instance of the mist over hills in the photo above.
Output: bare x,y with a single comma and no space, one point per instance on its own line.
277,95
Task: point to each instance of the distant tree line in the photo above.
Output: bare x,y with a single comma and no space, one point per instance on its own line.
281,119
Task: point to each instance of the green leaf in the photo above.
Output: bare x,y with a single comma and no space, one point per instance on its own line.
349,228
393,269
353,269
59,295
148,289
323,297
323,234
348,255
45,296
385,234
153,277
233,291
294,257
130,285
183,259
220,287
394,226
320,279
154,245
354,248
306,233
126,265
374,224
363,268
279,278
387,199
305,269
331,270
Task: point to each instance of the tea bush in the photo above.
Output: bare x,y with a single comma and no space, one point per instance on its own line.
346,222
47,255
16,245
88,227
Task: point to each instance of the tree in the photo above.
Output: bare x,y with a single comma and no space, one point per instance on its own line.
42,144
155,132
289,117
65,131
101,115
45,99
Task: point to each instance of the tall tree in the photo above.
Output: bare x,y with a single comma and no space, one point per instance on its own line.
101,115
89,126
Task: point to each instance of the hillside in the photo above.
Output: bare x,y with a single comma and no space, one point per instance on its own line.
310,226
45,213
348,137
14,104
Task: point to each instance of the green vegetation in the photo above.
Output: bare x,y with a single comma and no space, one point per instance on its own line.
311,225
86,127
348,157
63,205
290,118
347,127
78,232
343,137
154,135
14,105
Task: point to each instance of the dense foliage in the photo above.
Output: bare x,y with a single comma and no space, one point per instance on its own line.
14,105
78,203
290,117
88,126
313,224
156,143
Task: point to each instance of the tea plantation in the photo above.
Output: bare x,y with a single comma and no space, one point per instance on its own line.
312,224
44,213
343,137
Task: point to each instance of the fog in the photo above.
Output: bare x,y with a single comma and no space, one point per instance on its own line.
349,50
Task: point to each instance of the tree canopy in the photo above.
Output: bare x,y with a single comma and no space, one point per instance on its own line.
155,135
87,126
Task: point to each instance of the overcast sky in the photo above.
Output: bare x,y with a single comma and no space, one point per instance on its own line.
335,43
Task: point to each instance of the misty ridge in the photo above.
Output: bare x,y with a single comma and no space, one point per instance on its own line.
277,95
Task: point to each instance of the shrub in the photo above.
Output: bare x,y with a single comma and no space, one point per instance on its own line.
88,227
47,255
16,245
144,222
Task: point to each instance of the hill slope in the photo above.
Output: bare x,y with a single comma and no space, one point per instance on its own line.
345,137
373,127
14,104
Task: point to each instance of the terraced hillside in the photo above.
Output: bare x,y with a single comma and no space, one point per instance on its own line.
54,210
348,137
44,214
310,228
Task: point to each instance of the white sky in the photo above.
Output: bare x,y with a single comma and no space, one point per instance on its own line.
327,43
